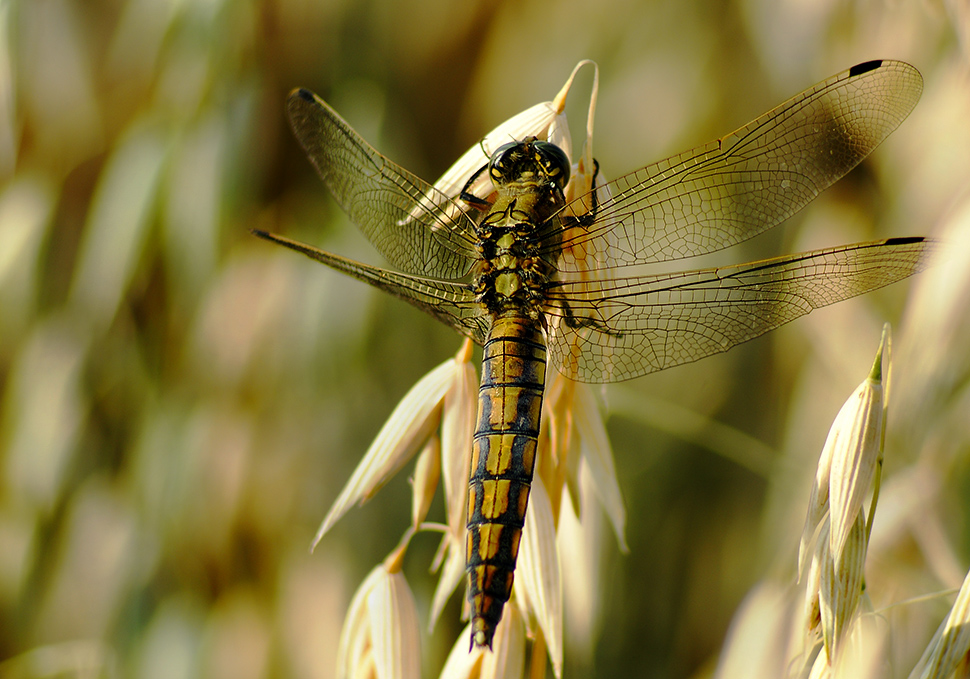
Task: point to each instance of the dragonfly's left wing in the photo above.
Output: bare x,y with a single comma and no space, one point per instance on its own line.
613,330
418,229
454,304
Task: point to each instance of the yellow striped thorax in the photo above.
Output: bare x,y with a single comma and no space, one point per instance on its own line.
529,177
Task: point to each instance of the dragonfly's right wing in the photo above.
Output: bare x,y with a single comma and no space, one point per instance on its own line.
738,186
613,330
416,228
454,304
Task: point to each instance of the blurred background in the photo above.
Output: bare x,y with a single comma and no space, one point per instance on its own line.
180,403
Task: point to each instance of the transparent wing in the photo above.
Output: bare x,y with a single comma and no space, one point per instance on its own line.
613,330
454,304
736,187
416,228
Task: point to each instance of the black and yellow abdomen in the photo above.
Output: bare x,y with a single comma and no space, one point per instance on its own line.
503,459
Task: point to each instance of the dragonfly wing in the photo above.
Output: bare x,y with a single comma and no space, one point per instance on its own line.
613,330
736,187
416,228
454,304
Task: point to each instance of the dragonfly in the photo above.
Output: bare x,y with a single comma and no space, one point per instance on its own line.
538,280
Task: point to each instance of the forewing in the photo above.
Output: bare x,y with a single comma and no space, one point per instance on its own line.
416,228
454,304
613,330
736,187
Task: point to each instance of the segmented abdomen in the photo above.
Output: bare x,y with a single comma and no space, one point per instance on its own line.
503,459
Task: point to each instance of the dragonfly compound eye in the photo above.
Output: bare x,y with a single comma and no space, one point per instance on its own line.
553,161
503,167
529,160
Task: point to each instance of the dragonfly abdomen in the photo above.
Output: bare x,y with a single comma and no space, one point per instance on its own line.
503,459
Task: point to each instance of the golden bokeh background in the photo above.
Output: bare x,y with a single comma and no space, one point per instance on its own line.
181,402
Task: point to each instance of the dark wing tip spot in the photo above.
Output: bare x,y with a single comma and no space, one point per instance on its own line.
905,240
864,67
304,94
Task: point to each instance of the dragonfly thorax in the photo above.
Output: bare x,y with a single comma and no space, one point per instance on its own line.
512,273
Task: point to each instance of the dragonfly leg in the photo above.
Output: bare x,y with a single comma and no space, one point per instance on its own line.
469,197
574,321
590,217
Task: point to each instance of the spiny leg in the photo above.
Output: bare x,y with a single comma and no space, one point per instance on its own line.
469,197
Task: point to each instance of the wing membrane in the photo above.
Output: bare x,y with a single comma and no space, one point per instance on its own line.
454,304
613,330
417,229
604,328
736,187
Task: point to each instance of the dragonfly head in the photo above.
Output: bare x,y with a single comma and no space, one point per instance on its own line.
529,160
